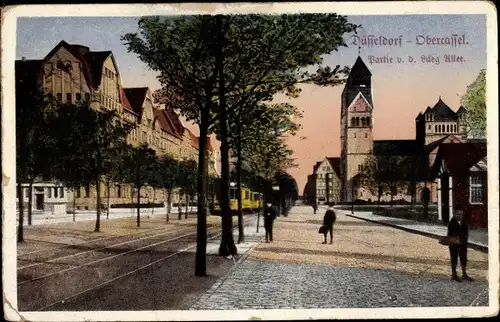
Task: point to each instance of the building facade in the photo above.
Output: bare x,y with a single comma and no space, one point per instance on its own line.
462,182
327,181
73,73
433,126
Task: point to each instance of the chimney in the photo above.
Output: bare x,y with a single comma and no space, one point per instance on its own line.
24,58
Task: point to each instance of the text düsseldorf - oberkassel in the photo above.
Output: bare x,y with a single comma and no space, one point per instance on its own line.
453,40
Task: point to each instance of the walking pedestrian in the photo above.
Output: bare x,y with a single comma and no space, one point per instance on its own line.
315,207
328,221
458,233
269,217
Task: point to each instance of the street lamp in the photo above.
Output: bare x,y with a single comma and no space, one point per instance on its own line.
277,188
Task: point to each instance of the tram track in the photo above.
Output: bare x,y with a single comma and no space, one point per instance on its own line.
48,288
107,282
54,259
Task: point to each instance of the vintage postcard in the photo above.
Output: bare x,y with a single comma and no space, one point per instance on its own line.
274,161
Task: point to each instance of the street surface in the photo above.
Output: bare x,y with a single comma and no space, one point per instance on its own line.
69,267
368,265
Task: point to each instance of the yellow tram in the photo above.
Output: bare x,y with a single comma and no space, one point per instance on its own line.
250,200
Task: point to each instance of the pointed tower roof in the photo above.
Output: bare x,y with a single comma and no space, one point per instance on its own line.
359,69
443,111
428,110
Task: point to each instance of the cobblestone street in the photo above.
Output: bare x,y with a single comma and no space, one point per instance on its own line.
368,265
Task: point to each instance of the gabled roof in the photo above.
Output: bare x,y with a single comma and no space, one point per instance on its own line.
433,145
315,167
125,103
442,111
395,147
175,121
459,157
136,97
358,96
335,163
194,139
359,69
162,119
96,60
462,110
92,61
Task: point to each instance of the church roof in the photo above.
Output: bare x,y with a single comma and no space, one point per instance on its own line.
441,111
462,109
359,69
395,147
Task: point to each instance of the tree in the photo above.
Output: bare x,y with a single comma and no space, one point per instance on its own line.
181,50
139,162
188,187
89,144
475,101
205,61
168,173
34,115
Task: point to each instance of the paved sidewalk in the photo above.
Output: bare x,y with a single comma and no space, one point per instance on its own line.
478,238
367,266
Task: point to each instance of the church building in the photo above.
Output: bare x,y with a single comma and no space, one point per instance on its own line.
439,124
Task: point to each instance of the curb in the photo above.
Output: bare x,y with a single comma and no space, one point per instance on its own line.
221,280
472,245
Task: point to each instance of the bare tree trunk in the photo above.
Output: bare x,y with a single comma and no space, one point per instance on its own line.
108,190
241,232
138,219
154,197
20,228
186,197
227,246
98,208
30,202
201,236
169,200
74,203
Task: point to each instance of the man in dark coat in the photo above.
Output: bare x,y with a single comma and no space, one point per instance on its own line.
315,207
457,228
328,221
269,216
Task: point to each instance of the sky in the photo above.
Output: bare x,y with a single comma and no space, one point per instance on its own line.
400,90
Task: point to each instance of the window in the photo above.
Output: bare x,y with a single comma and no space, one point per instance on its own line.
354,135
360,167
435,128
476,189
87,97
78,97
61,192
447,128
87,191
119,191
429,127
49,193
368,121
59,97
353,122
56,190
69,98
78,193
366,135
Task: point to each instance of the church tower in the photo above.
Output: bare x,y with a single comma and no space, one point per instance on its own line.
356,122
